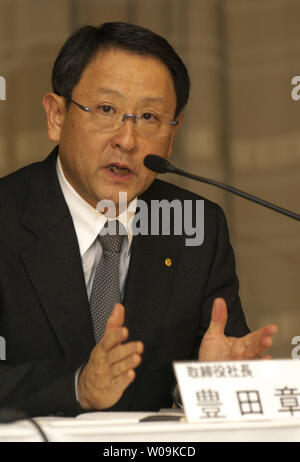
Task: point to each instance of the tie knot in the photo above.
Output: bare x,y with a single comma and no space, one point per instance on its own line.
111,236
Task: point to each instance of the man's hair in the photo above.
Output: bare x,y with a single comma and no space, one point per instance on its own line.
83,45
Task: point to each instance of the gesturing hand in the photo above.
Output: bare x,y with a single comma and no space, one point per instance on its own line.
216,346
111,365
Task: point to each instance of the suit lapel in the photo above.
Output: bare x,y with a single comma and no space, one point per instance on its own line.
53,262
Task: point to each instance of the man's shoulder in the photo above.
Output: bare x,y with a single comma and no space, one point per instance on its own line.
17,187
21,175
24,176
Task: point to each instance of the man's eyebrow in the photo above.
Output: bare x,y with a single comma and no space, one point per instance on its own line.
109,91
153,99
147,99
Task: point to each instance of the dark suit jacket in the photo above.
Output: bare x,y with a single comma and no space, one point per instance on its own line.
44,309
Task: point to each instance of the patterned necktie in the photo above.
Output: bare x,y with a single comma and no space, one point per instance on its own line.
106,286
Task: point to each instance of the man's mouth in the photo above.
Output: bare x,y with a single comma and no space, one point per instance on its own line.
119,169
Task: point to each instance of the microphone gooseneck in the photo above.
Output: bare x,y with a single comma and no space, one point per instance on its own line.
160,165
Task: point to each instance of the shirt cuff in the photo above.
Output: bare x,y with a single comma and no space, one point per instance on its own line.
76,380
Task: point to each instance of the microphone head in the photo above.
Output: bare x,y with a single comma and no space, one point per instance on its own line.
156,163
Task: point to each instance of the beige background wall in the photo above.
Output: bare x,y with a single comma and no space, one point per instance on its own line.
242,127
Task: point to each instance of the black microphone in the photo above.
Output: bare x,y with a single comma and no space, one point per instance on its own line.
160,165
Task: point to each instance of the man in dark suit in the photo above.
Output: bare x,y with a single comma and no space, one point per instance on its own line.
118,95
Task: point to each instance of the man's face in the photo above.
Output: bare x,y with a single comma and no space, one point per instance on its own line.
117,78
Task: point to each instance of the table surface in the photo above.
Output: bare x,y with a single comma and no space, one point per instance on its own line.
126,427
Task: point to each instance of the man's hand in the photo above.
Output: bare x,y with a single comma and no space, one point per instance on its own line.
215,346
111,365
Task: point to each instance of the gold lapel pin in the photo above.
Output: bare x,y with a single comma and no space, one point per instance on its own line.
168,262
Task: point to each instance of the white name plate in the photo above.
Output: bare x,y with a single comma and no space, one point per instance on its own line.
239,390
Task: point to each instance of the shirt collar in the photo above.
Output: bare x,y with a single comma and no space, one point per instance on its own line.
88,222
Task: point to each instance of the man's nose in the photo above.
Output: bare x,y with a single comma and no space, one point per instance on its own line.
125,136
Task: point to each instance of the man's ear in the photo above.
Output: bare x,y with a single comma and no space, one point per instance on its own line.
174,131
54,106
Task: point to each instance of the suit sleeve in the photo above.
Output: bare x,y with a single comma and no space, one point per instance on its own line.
40,388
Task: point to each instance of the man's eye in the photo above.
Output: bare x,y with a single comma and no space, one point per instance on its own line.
149,117
106,109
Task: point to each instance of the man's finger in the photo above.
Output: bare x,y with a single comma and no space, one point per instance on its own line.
218,317
112,338
125,365
117,317
121,352
261,334
257,342
121,382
